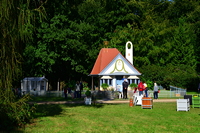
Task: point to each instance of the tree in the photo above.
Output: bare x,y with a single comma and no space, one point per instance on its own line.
16,26
60,43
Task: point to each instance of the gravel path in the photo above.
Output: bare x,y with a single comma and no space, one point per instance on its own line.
99,101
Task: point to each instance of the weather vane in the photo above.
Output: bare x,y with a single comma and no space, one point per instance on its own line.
106,44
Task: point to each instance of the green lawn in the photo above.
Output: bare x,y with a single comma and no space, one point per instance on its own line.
191,93
114,118
41,98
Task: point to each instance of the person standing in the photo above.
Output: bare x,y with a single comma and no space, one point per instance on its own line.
199,88
125,88
145,89
69,92
77,90
65,93
155,89
140,88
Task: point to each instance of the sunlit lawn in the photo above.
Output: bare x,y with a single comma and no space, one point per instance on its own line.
114,118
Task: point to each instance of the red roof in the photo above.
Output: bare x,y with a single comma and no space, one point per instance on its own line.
105,56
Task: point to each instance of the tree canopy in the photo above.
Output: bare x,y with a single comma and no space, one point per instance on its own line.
66,44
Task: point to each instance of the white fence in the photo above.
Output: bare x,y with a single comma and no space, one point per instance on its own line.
168,94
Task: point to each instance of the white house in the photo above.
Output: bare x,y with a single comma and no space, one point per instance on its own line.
37,84
112,67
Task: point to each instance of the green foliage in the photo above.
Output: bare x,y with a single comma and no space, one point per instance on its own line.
164,36
17,27
71,84
85,85
150,84
133,85
88,93
14,112
104,86
182,76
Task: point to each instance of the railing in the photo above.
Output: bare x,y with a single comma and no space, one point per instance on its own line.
170,93
178,91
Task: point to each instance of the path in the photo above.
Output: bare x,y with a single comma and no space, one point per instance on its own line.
99,101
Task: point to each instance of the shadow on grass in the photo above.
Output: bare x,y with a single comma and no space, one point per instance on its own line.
44,98
47,110
97,105
56,109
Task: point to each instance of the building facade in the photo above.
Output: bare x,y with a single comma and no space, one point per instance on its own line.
112,67
34,84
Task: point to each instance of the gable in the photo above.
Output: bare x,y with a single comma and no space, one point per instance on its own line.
35,79
106,55
119,66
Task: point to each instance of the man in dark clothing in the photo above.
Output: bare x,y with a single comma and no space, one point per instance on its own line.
125,88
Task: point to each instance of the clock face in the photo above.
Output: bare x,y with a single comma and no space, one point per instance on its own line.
119,65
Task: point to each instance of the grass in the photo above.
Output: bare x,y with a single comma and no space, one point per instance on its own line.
113,118
41,98
191,93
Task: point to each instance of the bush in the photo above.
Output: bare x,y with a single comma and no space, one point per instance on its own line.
133,85
88,93
14,112
182,75
104,86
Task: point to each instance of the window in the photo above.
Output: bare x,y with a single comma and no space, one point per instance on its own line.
110,81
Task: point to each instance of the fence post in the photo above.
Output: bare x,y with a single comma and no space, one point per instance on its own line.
170,92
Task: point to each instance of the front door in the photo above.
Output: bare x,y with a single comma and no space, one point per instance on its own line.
119,81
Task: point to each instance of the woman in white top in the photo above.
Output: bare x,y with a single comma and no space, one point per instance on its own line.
155,89
145,89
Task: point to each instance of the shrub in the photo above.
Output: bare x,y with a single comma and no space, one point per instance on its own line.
104,86
88,93
14,112
133,85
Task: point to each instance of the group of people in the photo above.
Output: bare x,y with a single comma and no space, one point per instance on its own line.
77,91
142,87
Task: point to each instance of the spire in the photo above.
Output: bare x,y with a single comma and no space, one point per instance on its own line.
129,52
